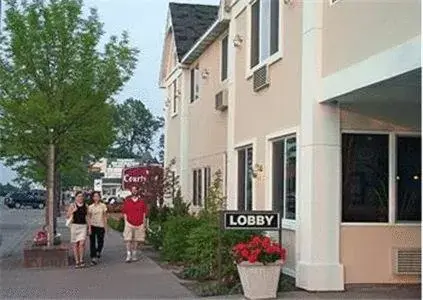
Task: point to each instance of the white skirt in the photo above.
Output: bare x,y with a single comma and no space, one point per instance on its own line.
78,232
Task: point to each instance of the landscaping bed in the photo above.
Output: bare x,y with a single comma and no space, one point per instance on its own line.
207,288
187,244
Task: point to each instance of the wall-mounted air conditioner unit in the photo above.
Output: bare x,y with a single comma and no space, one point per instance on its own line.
261,78
221,100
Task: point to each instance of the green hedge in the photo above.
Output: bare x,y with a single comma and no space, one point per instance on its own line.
203,249
176,230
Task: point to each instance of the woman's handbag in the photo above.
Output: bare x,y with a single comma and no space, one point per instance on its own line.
69,220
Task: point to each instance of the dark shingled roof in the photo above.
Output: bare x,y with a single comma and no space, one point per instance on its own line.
190,22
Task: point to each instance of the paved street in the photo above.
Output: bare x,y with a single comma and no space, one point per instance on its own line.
17,225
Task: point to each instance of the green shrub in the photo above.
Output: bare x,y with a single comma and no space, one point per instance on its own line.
180,207
202,243
117,225
155,234
199,273
176,230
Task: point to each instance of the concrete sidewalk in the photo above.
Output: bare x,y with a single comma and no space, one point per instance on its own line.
114,279
111,279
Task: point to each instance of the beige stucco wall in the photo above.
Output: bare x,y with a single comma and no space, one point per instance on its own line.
354,30
169,57
207,126
275,108
173,139
359,120
366,252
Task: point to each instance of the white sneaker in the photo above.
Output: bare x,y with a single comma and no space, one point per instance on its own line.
128,257
134,256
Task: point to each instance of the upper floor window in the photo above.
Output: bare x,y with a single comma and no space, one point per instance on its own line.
264,30
224,59
195,83
175,96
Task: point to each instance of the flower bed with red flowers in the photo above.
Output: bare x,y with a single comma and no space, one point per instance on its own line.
259,249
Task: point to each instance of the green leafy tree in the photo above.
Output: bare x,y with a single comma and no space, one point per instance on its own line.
56,85
135,128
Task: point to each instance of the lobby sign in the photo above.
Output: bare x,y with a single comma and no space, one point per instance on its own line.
251,220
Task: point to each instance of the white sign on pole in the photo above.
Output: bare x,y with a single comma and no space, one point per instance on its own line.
97,185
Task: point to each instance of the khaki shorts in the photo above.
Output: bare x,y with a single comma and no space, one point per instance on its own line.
134,233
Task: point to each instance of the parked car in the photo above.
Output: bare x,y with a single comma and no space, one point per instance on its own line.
21,199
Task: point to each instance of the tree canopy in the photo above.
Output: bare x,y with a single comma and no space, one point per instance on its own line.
56,85
135,127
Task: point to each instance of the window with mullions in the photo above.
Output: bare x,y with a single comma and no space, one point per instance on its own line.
284,162
264,30
408,178
245,179
365,177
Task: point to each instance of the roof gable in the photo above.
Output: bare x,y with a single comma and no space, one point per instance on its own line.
189,23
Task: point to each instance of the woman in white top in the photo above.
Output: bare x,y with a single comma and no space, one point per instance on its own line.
97,213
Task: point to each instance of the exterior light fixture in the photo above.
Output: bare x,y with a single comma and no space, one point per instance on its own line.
205,74
237,41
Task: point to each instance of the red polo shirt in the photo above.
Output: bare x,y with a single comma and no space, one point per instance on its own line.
134,211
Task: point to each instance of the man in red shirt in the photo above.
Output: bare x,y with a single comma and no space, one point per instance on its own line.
134,213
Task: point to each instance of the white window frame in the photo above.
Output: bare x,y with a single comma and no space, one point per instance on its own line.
272,58
242,146
174,97
197,79
200,192
270,139
205,185
225,35
392,157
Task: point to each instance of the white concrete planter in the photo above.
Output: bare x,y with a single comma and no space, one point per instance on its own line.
259,281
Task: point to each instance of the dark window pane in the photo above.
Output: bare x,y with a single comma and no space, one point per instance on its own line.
197,82
365,177
194,187
278,176
290,180
199,192
241,179
409,188
274,27
255,29
192,98
249,180
174,96
224,67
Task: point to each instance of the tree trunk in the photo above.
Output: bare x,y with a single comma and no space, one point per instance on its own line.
50,193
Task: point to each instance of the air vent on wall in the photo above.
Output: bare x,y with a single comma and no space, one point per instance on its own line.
407,261
260,78
221,100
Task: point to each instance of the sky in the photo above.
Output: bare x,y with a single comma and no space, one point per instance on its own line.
145,20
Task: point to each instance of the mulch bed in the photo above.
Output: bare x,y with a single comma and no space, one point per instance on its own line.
210,287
